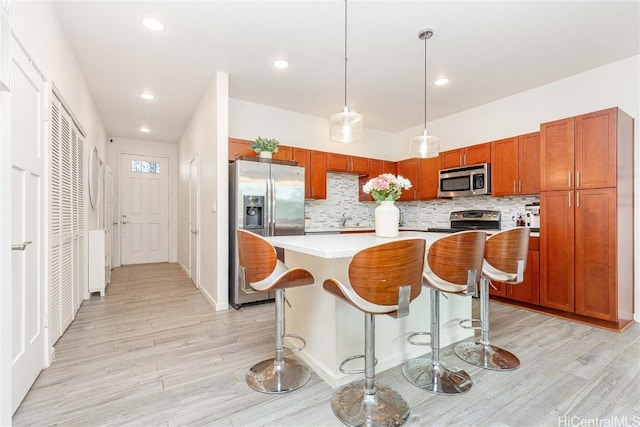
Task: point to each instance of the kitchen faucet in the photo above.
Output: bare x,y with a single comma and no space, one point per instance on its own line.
344,219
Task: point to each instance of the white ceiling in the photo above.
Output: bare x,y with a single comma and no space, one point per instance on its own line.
488,50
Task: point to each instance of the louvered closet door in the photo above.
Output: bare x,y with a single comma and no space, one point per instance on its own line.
67,221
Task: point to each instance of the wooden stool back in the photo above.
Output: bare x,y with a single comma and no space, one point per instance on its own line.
451,257
504,249
377,272
256,255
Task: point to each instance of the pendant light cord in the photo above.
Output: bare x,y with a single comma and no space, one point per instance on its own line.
425,84
345,53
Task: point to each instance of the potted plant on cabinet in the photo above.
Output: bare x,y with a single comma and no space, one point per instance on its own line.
265,147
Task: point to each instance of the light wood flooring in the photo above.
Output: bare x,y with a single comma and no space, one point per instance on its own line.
153,352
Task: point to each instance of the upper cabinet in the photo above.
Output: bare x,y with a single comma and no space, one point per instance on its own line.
472,155
240,147
409,169
515,165
284,153
347,164
315,172
579,152
427,182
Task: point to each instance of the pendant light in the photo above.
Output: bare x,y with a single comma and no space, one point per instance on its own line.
346,126
425,146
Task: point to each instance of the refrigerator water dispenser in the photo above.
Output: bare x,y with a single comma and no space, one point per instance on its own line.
253,212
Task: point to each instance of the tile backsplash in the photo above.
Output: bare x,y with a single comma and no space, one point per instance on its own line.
342,198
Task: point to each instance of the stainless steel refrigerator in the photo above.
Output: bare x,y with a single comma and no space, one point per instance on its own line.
266,198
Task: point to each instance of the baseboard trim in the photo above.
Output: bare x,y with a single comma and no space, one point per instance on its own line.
217,306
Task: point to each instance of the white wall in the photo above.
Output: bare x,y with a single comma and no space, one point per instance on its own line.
116,147
207,136
36,26
248,120
615,84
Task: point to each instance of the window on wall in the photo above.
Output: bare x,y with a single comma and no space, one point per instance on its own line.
145,167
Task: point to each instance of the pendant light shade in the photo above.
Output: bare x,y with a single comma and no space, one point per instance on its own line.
346,126
424,146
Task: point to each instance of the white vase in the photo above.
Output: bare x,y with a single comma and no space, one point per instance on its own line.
387,217
266,154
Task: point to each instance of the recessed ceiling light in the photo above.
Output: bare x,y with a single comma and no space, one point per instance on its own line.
153,24
281,63
146,95
145,129
441,82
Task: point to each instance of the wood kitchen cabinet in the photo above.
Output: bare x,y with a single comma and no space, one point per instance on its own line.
284,153
409,169
472,155
586,243
427,179
240,147
515,165
390,167
375,169
315,172
347,164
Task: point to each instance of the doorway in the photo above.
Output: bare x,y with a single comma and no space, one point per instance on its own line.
194,221
144,208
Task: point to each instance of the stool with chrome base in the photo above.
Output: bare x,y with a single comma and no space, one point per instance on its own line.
453,265
260,267
383,279
505,261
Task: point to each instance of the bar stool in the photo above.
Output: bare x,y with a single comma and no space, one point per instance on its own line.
453,265
260,267
383,279
505,261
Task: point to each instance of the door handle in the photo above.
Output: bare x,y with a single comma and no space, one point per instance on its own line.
21,247
196,232
125,222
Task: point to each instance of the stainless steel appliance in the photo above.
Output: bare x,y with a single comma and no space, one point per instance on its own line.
474,180
532,216
471,220
266,198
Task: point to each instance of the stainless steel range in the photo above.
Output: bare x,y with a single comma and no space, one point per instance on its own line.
471,220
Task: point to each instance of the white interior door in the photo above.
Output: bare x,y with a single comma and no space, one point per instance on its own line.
194,222
28,214
144,208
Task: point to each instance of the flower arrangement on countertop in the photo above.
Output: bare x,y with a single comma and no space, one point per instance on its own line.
265,144
386,187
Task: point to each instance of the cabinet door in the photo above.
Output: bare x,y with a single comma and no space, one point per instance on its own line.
557,154
409,169
477,154
389,167
240,147
500,289
504,167
337,162
284,153
595,261
375,169
528,163
596,150
557,250
529,290
359,165
318,177
451,158
303,157
427,183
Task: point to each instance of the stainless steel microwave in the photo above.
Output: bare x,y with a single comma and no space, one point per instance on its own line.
474,180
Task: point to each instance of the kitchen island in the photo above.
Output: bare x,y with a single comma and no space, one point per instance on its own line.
333,329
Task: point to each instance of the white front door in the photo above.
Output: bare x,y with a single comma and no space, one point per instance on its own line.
28,230
194,228
144,213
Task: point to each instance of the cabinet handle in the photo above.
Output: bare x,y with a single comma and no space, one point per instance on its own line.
465,158
519,186
569,179
577,179
569,199
514,187
461,160
577,199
